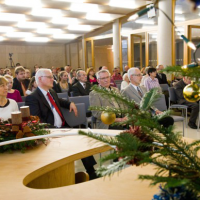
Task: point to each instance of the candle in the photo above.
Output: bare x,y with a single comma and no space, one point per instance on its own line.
16,118
25,113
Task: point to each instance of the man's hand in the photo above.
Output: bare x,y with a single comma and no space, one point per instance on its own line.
73,108
158,112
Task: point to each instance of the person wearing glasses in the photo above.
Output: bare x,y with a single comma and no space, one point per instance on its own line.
136,92
45,104
7,106
103,78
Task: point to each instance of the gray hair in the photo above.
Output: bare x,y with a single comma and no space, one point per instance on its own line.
41,72
102,71
78,73
157,67
124,76
132,71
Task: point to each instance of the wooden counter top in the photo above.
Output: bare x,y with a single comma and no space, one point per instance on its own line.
18,168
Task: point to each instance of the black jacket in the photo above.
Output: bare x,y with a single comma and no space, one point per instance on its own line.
162,79
17,85
78,89
40,107
57,88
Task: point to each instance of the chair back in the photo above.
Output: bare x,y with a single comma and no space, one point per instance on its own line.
81,99
63,95
23,98
172,94
160,103
20,104
118,81
81,177
70,117
119,86
164,87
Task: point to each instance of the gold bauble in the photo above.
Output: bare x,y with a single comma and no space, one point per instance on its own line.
192,92
108,117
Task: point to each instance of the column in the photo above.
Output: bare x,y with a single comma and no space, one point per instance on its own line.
117,44
166,48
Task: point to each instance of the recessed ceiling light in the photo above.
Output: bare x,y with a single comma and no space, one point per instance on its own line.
19,34
178,11
80,27
25,24
142,21
65,36
46,12
129,4
84,7
49,31
11,17
2,38
36,39
64,20
6,29
177,18
72,1
23,3
98,16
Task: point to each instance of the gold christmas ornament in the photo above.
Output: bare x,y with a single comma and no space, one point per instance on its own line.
192,92
108,117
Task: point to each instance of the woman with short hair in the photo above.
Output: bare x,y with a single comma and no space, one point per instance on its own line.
32,86
7,106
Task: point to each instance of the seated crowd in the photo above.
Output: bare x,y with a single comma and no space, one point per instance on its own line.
41,90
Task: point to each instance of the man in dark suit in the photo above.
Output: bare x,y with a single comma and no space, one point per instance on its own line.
20,83
162,78
45,104
179,86
82,87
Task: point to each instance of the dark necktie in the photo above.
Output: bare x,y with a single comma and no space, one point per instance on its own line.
139,92
56,107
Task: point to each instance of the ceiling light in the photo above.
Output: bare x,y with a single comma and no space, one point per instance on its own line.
178,12
6,29
80,27
36,39
65,36
11,17
2,38
98,16
142,21
179,18
129,4
84,7
46,12
19,34
49,31
23,3
64,20
73,1
25,24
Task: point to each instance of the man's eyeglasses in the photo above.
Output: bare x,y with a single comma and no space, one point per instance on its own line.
105,78
136,74
50,77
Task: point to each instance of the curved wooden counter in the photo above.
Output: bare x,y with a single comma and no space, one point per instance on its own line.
53,165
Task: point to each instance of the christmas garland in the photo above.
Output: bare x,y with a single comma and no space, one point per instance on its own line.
29,128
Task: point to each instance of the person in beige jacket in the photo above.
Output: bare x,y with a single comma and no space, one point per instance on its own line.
96,99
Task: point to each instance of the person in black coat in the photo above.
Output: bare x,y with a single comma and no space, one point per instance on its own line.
82,87
20,83
162,78
41,105
194,106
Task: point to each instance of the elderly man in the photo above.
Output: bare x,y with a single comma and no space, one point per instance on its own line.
126,68
162,78
20,82
82,87
194,106
136,92
103,78
45,104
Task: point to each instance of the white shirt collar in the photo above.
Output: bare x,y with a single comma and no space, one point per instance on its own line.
135,87
44,92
